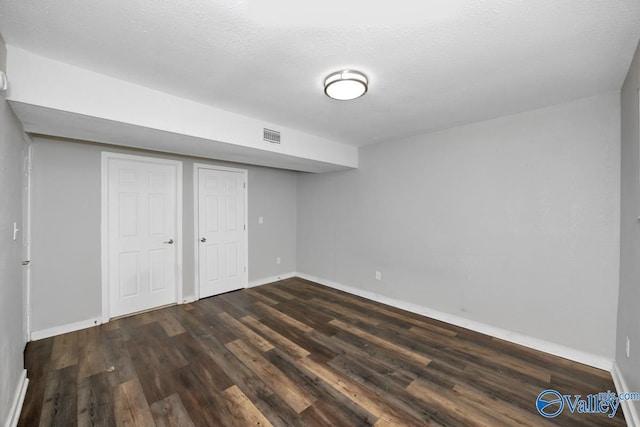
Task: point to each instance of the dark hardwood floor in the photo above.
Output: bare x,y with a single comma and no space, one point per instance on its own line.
294,353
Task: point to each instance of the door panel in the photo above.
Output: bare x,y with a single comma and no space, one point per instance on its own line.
211,214
142,226
211,263
129,274
221,231
233,260
157,205
128,215
157,262
232,213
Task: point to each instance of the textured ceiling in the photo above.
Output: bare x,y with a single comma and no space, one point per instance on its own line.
431,64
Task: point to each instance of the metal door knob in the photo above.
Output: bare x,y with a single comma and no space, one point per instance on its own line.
170,241
204,239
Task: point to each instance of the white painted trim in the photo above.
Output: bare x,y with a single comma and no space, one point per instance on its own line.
196,232
188,300
266,280
579,356
218,168
27,248
630,410
18,400
104,234
196,218
246,222
179,235
63,329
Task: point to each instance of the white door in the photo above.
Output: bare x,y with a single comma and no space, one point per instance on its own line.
221,231
141,224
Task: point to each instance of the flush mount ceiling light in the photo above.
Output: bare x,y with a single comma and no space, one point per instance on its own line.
345,85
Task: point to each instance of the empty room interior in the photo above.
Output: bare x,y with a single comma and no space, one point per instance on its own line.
282,213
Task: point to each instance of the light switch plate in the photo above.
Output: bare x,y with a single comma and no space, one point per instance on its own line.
3,81
627,349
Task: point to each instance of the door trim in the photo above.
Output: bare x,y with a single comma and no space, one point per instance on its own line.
196,221
104,235
26,236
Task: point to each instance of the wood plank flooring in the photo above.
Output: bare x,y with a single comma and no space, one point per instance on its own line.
294,353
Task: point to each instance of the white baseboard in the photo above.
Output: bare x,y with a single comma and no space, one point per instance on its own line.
629,407
18,400
63,329
188,300
265,280
579,356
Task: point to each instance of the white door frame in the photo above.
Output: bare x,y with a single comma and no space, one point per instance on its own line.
104,232
26,230
196,223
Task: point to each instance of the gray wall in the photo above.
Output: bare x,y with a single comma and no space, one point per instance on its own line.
66,227
629,305
12,339
512,222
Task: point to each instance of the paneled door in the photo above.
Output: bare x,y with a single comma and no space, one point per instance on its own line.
221,233
142,210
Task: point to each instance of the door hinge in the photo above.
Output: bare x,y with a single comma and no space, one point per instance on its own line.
244,227
244,185
245,268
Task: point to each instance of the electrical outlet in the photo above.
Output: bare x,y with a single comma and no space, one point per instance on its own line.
378,275
628,348
260,220
277,260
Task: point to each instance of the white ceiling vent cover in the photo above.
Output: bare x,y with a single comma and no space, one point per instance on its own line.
270,135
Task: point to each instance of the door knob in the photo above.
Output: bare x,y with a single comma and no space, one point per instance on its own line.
204,239
170,241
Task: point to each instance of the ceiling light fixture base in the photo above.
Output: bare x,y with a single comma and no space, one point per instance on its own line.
346,85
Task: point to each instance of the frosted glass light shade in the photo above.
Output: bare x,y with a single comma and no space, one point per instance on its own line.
345,85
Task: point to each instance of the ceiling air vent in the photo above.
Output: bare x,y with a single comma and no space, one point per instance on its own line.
272,136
